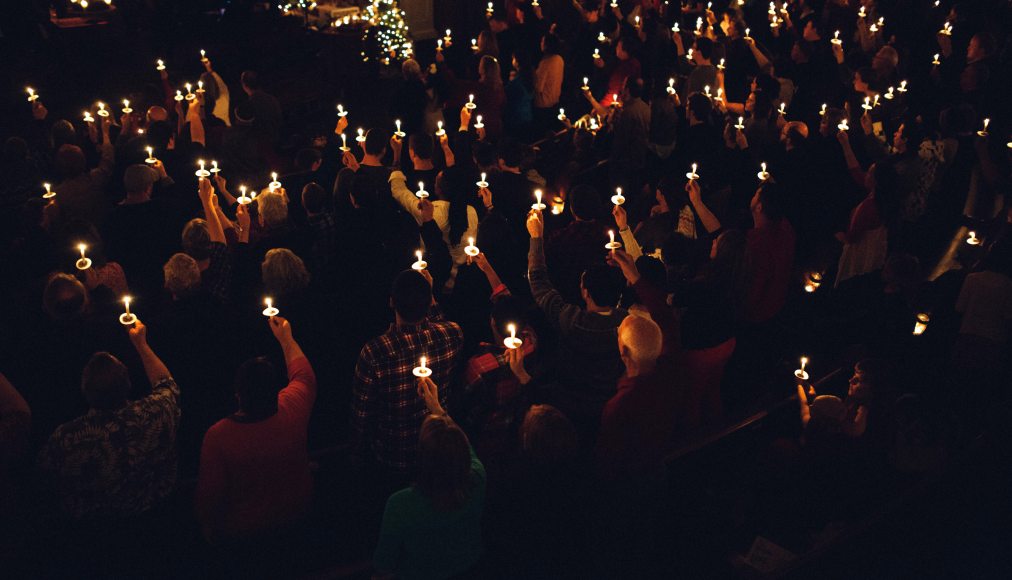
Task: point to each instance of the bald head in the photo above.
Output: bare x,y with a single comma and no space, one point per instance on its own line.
639,341
156,113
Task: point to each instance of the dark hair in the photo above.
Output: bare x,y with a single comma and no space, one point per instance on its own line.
65,297
443,463
305,158
525,67
511,153
376,141
547,437
771,196
314,197
604,284
105,382
508,309
635,87
552,44
82,231
913,134
411,295
986,41
584,202
767,84
678,251
701,106
158,135
257,384
421,144
250,79
762,108
196,240
673,192
630,44
454,185
652,270
704,46
484,154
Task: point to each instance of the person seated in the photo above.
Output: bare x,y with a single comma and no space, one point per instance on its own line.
120,458
386,412
254,474
432,529
588,359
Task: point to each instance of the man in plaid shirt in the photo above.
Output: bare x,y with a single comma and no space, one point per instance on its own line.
387,412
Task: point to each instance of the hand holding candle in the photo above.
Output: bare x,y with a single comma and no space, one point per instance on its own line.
512,341
469,105
421,193
421,371
127,319
612,244
470,249
538,206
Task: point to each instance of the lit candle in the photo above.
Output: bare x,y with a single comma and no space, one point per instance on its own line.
688,55
82,263
398,132
214,166
538,206
946,29
470,249
612,244
200,86
419,264
469,105
720,94
636,20
671,86
439,129
692,175
340,111
189,92
474,45
127,319
161,65
601,37
50,194
179,95
836,38
874,102
32,97
512,341
126,107
783,109
983,132
935,61
747,31
699,26
88,118
800,374
202,173
860,12
439,45
361,135
151,156
270,311
720,65
706,91
618,199
676,28
843,126
479,124
274,184
483,183
973,240
922,323
903,87
344,143
586,84
490,10
243,199
890,94
421,371
101,110
822,111
763,175
562,114
448,39
741,124
867,104
597,54
558,205
203,55
421,193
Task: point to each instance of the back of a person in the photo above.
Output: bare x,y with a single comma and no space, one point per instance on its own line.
438,544
589,362
267,466
112,464
771,250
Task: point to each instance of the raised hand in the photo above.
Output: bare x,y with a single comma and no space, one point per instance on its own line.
535,227
429,392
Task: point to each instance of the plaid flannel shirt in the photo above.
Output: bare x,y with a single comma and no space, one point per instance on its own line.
387,412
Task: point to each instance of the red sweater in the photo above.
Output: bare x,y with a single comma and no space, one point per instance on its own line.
254,476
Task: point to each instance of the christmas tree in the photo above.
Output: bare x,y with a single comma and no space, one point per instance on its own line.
386,38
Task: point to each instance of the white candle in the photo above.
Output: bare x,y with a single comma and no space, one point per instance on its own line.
611,236
562,114
161,65
474,45
439,45
483,183
344,142
692,175
671,86
843,126
397,123
538,206
126,107
618,199
783,109
983,132
586,83
479,124
470,103
903,87
31,94
800,373
822,111
512,342
747,31
127,319
340,111
422,371
49,192
421,193
361,135
741,123
597,54
867,104
922,323
720,65
88,118
101,109
270,311
612,244
470,249
200,86
83,263
203,55
243,199
763,175
836,38
439,129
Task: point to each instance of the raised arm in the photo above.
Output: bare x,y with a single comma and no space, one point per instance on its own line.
154,368
632,247
710,221
215,231
545,294
404,196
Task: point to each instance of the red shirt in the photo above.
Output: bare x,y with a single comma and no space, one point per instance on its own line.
254,476
771,251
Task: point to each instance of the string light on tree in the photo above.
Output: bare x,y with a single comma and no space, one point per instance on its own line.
386,38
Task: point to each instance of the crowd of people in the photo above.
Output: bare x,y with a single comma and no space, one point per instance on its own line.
570,246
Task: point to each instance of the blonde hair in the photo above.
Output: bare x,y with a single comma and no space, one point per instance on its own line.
283,272
272,207
182,275
641,338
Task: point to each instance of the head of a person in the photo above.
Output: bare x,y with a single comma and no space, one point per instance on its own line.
250,81
885,61
702,50
550,44
728,250
159,135
584,202
864,78
766,84
811,28
139,180
105,382
308,159
484,156
548,438
376,142
487,44
411,70
632,88
410,297
443,463
908,137
768,202
272,209
507,310
488,70
511,154
314,198
81,231
283,272
628,47
154,114
802,51
70,161
65,298
699,107
182,276
901,273
670,194
679,255
639,342
794,134
62,133
420,147
981,46
196,241
257,384
871,375
601,286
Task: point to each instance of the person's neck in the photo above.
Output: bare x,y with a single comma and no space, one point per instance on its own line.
423,164
634,369
400,322
594,308
761,221
371,160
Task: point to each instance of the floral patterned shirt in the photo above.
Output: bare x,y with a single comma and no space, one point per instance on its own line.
116,463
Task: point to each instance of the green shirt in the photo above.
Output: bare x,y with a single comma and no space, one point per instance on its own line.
417,541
